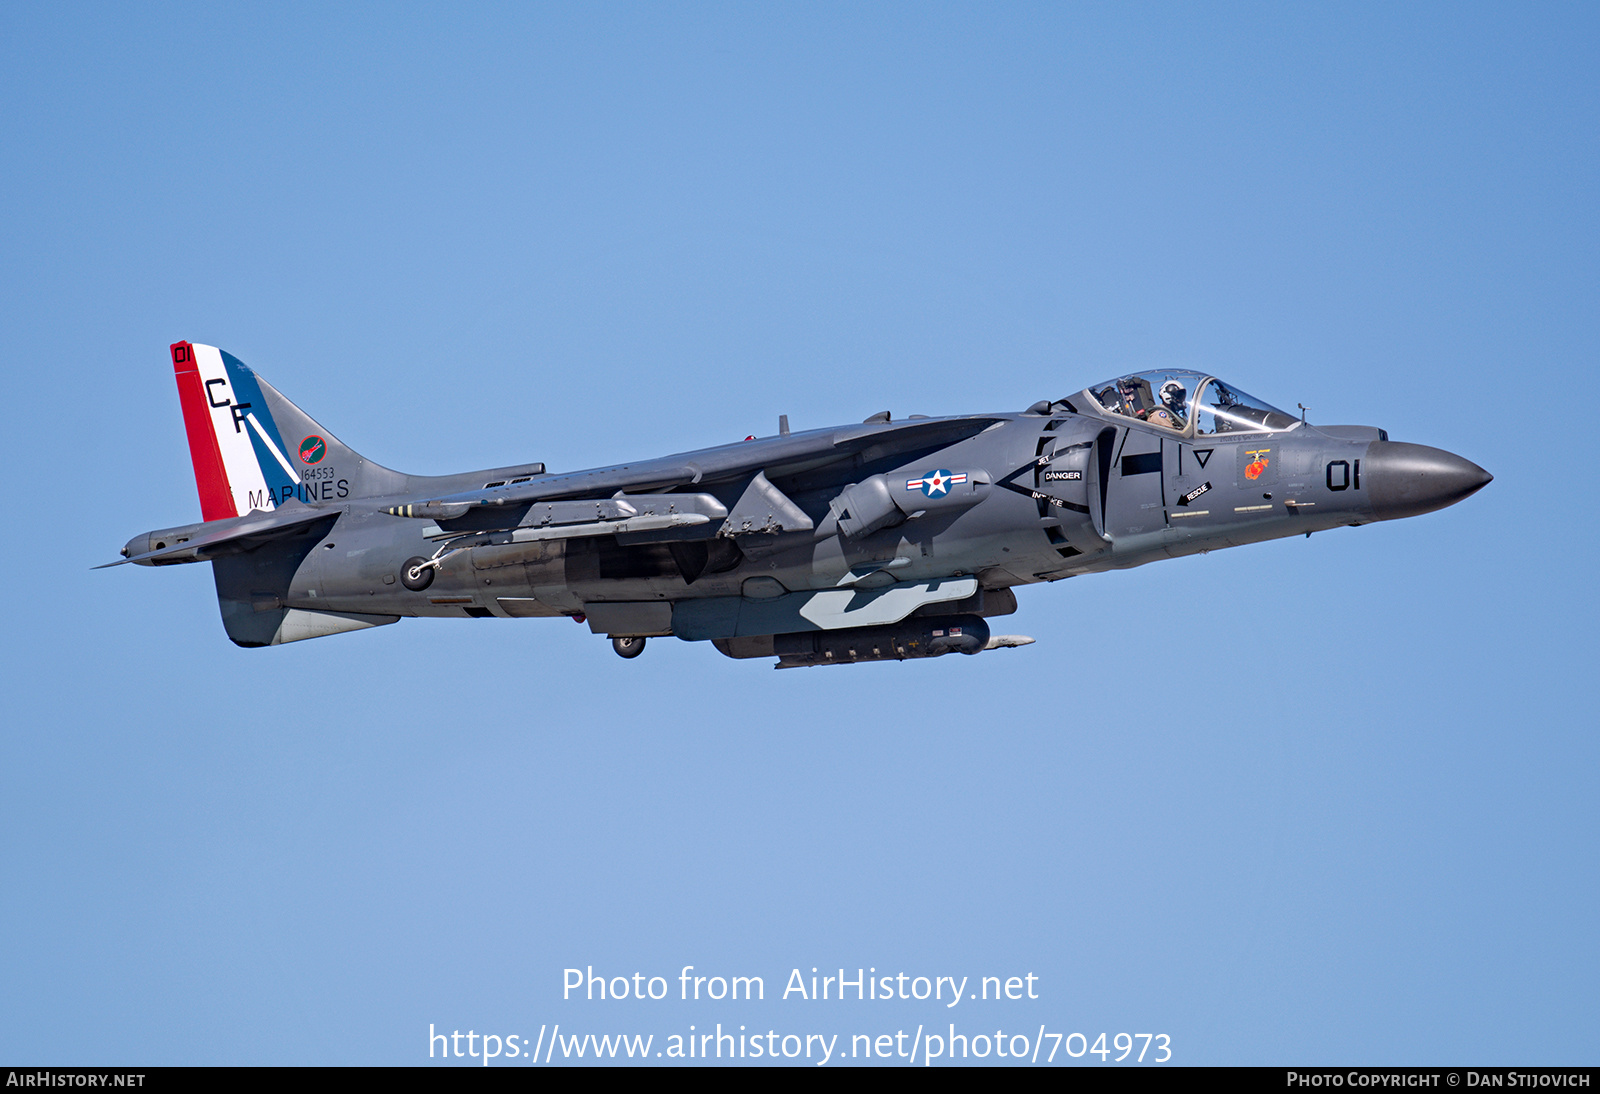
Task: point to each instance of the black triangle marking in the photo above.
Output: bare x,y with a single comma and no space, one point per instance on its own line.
1202,455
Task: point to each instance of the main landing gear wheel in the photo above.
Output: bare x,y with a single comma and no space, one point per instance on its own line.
628,647
414,579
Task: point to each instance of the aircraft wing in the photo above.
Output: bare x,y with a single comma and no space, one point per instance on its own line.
234,535
775,457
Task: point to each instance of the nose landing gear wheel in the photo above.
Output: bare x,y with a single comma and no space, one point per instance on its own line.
414,579
628,647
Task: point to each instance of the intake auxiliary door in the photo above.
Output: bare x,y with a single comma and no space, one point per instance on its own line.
1099,476
1066,476
1064,485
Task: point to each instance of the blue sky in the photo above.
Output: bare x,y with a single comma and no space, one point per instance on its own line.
1313,801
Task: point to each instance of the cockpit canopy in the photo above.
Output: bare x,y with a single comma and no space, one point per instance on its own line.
1185,401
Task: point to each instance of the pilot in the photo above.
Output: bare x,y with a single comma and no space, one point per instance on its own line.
1176,399
1163,417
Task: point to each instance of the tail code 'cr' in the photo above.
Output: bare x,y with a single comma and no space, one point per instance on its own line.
253,449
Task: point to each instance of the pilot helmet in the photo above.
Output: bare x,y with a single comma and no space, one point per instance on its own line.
1174,394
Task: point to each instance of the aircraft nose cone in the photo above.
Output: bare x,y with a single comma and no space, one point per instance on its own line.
1407,479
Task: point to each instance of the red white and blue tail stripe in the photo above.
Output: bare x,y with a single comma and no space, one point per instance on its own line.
240,463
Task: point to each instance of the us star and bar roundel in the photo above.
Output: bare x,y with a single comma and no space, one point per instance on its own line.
936,484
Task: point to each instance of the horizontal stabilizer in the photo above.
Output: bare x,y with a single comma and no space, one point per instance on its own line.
224,537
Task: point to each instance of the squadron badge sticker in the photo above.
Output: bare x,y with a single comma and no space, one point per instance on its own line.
312,449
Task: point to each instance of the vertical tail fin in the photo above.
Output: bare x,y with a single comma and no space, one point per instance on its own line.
254,449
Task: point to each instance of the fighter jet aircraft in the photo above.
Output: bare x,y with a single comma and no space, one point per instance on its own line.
888,540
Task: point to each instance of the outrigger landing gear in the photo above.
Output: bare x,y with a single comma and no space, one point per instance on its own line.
628,647
416,575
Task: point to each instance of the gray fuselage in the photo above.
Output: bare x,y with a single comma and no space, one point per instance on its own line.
1030,497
